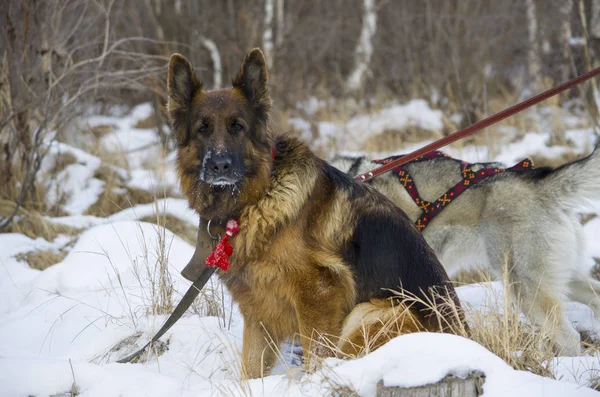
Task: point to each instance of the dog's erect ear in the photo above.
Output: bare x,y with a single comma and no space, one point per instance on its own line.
182,83
252,81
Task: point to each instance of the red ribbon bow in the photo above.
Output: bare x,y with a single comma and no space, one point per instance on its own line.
219,257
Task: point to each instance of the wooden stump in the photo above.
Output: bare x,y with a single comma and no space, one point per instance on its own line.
450,386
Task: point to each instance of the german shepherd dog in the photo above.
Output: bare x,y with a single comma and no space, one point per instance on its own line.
317,254
522,222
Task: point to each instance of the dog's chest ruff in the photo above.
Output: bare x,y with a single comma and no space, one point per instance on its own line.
469,179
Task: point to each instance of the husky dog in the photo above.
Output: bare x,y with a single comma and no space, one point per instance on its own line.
522,220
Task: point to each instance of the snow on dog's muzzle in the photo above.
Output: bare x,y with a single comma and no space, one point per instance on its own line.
220,169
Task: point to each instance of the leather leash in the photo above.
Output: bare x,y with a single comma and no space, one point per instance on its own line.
181,307
205,241
473,128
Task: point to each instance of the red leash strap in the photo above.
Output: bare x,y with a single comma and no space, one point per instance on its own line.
473,128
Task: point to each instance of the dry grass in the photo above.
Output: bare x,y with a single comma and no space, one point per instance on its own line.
398,138
521,345
59,163
554,162
162,287
471,276
497,136
585,218
62,161
10,188
41,260
12,174
32,224
112,200
596,268
116,196
91,143
178,227
152,269
147,123
98,131
109,157
109,174
500,330
547,118
130,345
211,303
116,159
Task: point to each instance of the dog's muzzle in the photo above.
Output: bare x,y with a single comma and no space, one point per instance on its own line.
220,169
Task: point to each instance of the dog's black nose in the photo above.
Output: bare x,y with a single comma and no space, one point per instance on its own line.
220,164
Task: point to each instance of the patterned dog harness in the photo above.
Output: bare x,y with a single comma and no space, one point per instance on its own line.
469,179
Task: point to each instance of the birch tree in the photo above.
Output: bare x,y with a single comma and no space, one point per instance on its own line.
268,32
364,48
533,51
595,19
588,58
566,11
211,47
215,57
280,23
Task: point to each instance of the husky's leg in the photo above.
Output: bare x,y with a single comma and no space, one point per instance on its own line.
545,310
583,288
586,290
536,268
539,281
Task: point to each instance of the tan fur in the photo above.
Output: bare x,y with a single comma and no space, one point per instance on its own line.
287,272
279,298
372,324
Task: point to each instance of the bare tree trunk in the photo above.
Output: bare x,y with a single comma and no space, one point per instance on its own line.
533,52
595,19
566,11
215,57
280,23
588,59
268,32
231,13
364,48
153,12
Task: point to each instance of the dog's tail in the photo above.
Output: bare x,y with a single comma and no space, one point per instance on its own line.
577,183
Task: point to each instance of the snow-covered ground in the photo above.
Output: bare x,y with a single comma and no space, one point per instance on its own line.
64,326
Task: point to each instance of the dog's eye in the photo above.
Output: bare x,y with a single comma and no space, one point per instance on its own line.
203,129
237,127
